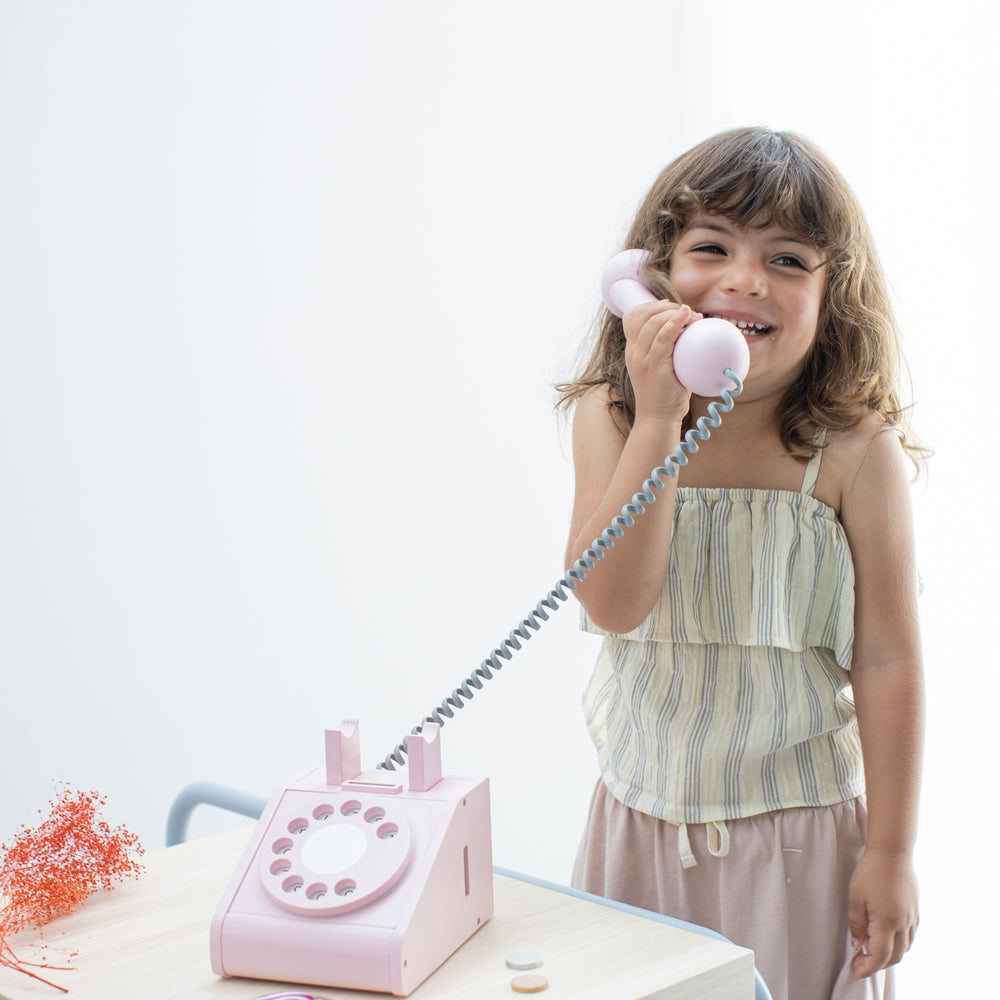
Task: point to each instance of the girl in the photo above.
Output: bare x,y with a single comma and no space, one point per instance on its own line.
761,659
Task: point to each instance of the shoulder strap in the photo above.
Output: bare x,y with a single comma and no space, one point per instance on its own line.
812,469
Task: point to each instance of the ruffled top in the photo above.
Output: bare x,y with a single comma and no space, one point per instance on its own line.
733,696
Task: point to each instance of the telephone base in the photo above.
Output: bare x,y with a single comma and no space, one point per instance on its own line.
359,883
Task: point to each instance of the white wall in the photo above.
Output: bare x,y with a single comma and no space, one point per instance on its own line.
285,289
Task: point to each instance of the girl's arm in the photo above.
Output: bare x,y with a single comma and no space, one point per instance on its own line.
611,463
887,680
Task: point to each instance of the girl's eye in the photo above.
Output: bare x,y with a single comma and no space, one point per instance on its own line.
787,260
707,248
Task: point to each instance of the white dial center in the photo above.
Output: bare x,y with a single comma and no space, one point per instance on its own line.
333,848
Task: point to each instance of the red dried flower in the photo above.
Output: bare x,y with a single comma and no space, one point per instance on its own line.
49,870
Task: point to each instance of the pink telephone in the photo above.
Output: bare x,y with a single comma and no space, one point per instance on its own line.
351,880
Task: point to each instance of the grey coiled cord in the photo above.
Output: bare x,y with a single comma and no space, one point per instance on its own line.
466,690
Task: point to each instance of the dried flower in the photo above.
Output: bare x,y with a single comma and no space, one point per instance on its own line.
49,870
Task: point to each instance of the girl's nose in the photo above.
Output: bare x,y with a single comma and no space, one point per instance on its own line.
744,278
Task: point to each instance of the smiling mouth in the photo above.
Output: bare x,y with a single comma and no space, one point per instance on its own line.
746,327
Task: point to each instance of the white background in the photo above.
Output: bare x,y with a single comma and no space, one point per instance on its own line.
284,289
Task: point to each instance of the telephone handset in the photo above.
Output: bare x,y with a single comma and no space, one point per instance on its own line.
703,351
352,880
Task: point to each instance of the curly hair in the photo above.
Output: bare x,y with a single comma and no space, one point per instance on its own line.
757,177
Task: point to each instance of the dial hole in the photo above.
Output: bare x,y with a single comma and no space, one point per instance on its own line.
293,883
347,887
316,891
375,815
282,846
281,866
323,812
299,825
351,808
387,831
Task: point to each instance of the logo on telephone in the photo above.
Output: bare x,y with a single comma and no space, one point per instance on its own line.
353,881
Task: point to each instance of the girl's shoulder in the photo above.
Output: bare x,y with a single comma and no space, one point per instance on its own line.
871,448
600,405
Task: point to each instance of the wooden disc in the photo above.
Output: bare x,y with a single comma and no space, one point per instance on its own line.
532,983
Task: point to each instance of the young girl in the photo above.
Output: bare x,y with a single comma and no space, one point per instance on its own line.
761,660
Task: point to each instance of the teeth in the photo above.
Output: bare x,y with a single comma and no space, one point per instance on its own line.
752,328
745,326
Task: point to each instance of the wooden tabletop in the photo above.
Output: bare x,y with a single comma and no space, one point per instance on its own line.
149,939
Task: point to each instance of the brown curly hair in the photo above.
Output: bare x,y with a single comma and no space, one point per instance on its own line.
757,177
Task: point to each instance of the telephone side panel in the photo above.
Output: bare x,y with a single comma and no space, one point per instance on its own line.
457,898
362,885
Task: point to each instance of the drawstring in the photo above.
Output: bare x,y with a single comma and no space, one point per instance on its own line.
722,839
719,850
684,846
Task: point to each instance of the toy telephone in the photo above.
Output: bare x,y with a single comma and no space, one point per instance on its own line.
352,880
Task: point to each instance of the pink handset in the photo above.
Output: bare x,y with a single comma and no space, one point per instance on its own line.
704,350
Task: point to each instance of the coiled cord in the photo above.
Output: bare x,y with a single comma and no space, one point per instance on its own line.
465,692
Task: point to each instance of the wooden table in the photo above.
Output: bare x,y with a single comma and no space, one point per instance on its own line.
149,939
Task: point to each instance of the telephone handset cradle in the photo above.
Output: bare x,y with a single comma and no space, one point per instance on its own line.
352,880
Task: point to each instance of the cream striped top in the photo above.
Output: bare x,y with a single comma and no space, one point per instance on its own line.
732,697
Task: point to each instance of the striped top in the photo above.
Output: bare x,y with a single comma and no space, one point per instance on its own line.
732,697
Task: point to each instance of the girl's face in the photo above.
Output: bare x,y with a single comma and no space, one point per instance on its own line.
765,280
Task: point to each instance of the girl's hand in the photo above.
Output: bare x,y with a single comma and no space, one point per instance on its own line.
651,330
883,910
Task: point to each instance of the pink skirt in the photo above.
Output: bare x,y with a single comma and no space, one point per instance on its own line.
776,883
